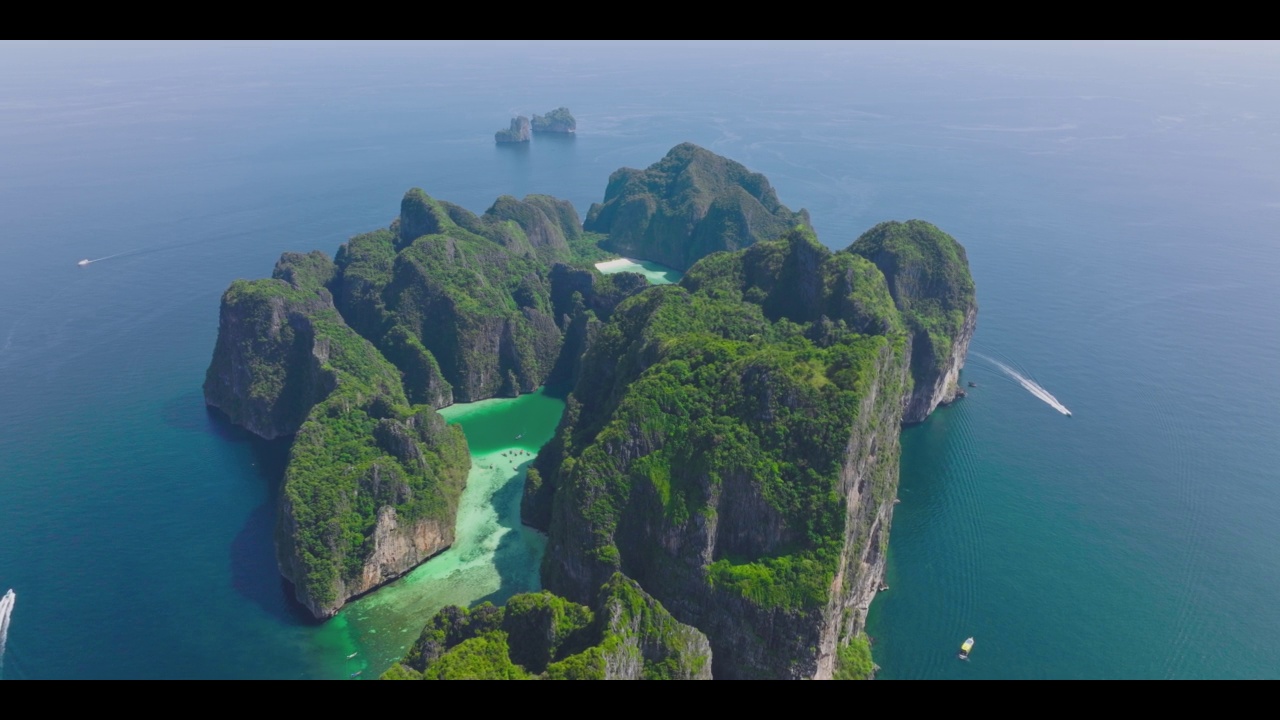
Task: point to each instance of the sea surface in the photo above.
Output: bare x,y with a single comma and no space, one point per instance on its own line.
1118,203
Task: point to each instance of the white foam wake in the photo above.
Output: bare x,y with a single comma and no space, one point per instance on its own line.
1032,386
6,609
108,257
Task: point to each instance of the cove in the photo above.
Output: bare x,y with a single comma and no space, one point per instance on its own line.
493,556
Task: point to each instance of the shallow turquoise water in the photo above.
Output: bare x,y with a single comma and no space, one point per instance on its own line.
493,556
656,273
1117,203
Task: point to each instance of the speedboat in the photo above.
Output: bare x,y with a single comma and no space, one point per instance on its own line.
83,262
965,647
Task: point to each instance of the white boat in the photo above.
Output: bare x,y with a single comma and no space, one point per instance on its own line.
83,262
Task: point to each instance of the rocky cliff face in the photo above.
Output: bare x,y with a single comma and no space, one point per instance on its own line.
928,276
268,366
938,380
370,492
371,487
627,636
559,120
688,205
724,473
520,131
270,363
732,446
397,549
460,303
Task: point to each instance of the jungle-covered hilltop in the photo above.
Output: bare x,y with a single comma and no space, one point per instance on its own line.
719,493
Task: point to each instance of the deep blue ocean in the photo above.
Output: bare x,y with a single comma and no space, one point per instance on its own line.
1119,206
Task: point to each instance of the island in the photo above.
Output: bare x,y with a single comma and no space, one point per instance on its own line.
519,132
719,492
559,120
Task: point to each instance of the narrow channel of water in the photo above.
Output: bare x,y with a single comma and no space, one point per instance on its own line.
493,555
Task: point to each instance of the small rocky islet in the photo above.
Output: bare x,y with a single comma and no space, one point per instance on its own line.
559,121
719,493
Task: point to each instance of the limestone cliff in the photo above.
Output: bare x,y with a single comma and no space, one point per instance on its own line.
519,132
559,120
928,276
270,362
460,303
688,205
372,485
732,446
625,635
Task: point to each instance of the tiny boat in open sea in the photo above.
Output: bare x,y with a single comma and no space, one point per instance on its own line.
83,262
965,647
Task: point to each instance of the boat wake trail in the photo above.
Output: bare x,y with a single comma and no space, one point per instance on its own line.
1031,386
108,257
6,608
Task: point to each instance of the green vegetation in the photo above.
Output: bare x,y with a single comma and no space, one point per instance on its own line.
263,375
688,205
729,448
559,120
356,457
308,272
928,276
287,363
351,356
628,636
730,398
519,132
460,303
853,660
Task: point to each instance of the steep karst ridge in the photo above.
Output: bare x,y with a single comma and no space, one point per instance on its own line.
928,276
460,302
351,358
372,484
688,205
732,445
539,635
723,475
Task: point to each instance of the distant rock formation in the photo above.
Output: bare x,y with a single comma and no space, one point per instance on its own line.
519,132
559,120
